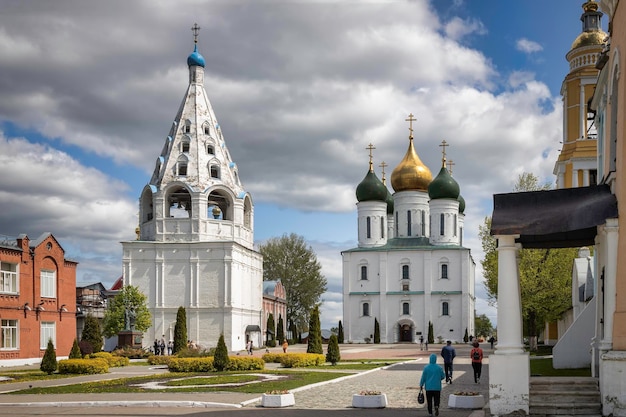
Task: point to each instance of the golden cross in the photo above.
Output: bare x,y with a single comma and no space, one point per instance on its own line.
450,165
371,147
195,29
443,145
411,119
383,165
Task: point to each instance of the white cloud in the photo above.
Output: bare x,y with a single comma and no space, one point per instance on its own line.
458,28
527,46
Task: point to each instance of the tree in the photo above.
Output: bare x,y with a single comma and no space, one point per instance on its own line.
92,334
75,352
290,260
49,360
180,330
127,311
431,333
332,353
280,330
544,274
270,332
483,325
340,335
221,359
315,332
376,331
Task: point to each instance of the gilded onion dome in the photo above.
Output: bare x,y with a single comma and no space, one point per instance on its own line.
411,173
592,32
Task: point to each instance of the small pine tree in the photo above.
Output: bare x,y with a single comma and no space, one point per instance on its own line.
431,333
340,336
180,330
75,352
315,333
376,331
332,354
221,359
280,330
49,361
270,333
92,334
466,337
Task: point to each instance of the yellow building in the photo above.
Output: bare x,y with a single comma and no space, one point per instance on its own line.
577,163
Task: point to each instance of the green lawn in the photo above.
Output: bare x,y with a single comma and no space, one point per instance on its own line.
543,367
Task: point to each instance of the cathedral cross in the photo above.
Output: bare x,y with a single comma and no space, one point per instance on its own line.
195,29
383,165
371,147
450,165
443,145
411,119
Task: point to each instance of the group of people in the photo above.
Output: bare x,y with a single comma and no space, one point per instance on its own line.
160,347
433,374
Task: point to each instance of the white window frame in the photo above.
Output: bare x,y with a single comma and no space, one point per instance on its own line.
363,308
48,280
48,330
9,334
445,308
9,283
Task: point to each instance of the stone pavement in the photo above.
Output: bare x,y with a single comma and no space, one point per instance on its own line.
400,382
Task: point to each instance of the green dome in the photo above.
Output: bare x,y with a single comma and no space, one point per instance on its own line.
443,186
371,189
461,204
389,203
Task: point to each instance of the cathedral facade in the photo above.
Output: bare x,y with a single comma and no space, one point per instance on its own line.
410,269
194,244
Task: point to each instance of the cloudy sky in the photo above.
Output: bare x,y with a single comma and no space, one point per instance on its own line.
89,89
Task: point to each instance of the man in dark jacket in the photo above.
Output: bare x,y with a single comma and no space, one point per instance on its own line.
448,354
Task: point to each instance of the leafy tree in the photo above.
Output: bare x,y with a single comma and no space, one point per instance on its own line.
465,337
315,333
270,333
544,274
431,333
340,335
49,360
180,330
289,259
92,334
483,325
221,359
332,353
75,352
376,331
280,330
127,311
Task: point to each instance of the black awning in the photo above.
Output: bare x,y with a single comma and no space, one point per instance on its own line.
555,218
253,328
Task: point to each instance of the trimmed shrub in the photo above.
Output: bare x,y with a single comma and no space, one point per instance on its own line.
113,361
220,360
92,333
75,352
272,357
315,332
301,360
160,359
191,365
332,354
180,330
245,363
49,361
83,366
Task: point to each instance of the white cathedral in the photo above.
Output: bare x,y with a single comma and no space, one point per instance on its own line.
195,239
410,267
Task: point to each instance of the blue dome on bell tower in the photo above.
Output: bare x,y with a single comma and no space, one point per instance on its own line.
195,58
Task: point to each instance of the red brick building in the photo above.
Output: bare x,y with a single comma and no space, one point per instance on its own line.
37,299
274,302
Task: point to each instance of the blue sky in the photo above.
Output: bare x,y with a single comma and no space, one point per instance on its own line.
88,91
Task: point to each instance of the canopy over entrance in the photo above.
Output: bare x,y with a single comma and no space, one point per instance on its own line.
561,218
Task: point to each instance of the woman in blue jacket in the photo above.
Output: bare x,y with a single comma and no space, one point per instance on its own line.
432,375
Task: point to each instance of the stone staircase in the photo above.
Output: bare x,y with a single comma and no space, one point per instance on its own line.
565,396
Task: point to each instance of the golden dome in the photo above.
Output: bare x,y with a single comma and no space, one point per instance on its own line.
592,38
411,173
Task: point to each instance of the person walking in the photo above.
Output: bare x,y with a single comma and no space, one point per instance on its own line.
422,342
448,353
285,345
432,375
477,361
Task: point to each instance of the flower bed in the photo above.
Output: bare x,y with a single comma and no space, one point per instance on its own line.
369,399
277,399
468,400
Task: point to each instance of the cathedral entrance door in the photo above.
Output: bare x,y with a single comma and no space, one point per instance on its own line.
406,333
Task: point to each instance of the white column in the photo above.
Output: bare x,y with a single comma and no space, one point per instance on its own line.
574,178
509,367
583,112
611,231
